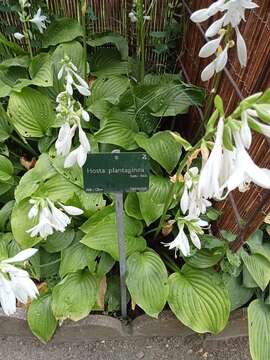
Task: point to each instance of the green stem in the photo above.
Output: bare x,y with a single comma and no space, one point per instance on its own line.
28,42
140,39
169,263
26,146
83,18
211,98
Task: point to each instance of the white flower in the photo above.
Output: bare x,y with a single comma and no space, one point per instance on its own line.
222,59
132,17
208,71
51,218
15,282
84,140
180,242
245,132
210,47
147,18
209,186
78,156
64,140
45,226
39,21
246,170
214,28
18,36
241,48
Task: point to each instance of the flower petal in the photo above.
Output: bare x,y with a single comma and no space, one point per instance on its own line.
241,48
21,256
214,28
222,59
200,16
208,71
210,48
72,210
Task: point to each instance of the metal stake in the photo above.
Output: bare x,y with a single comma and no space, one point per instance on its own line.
122,251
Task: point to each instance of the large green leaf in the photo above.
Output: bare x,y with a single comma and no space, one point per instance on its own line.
152,201
13,46
199,299
32,179
31,112
205,258
21,61
259,328
258,267
108,37
5,128
6,169
109,89
107,62
5,212
41,319
162,147
75,296
76,257
132,206
103,237
147,281
58,241
61,31
239,295
169,99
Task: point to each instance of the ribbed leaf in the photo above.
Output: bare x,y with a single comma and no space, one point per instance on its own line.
199,299
162,147
132,206
6,169
75,296
104,237
152,201
259,329
5,128
110,38
147,281
109,89
61,31
59,241
205,258
31,112
258,267
41,319
108,62
239,295
76,257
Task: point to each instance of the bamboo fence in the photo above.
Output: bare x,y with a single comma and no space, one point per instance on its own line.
242,213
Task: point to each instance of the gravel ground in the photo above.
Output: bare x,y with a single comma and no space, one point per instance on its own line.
190,348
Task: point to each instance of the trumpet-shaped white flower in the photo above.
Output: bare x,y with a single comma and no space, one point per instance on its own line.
18,36
50,218
15,282
69,70
245,132
77,156
64,140
39,20
180,243
209,185
234,13
245,170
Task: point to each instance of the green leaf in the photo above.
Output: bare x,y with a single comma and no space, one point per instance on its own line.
152,201
97,218
227,137
205,258
20,61
75,296
258,267
76,257
58,241
6,170
239,295
14,47
147,281
5,214
32,179
41,319
132,206
30,112
263,111
161,147
199,299
61,31
108,37
169,99
108,62
104,237
109,89
219,104
5,128
258,329
105,264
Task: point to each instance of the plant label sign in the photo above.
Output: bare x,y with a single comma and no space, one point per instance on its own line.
116,172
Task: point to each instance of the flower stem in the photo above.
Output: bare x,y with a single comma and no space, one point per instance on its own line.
83,20
26,146
169,263
140,39
211,98
28,42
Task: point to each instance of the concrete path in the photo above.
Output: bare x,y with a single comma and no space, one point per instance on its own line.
190,348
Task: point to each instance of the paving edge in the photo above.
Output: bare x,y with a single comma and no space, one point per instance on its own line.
95,327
